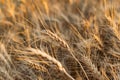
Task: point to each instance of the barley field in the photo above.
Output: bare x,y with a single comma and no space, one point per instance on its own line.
59,39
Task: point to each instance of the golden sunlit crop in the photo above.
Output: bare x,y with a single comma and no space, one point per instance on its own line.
59,40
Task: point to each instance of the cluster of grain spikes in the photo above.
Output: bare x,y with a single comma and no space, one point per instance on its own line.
59,40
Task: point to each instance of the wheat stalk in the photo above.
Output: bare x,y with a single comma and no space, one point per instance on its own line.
65,45
43,54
